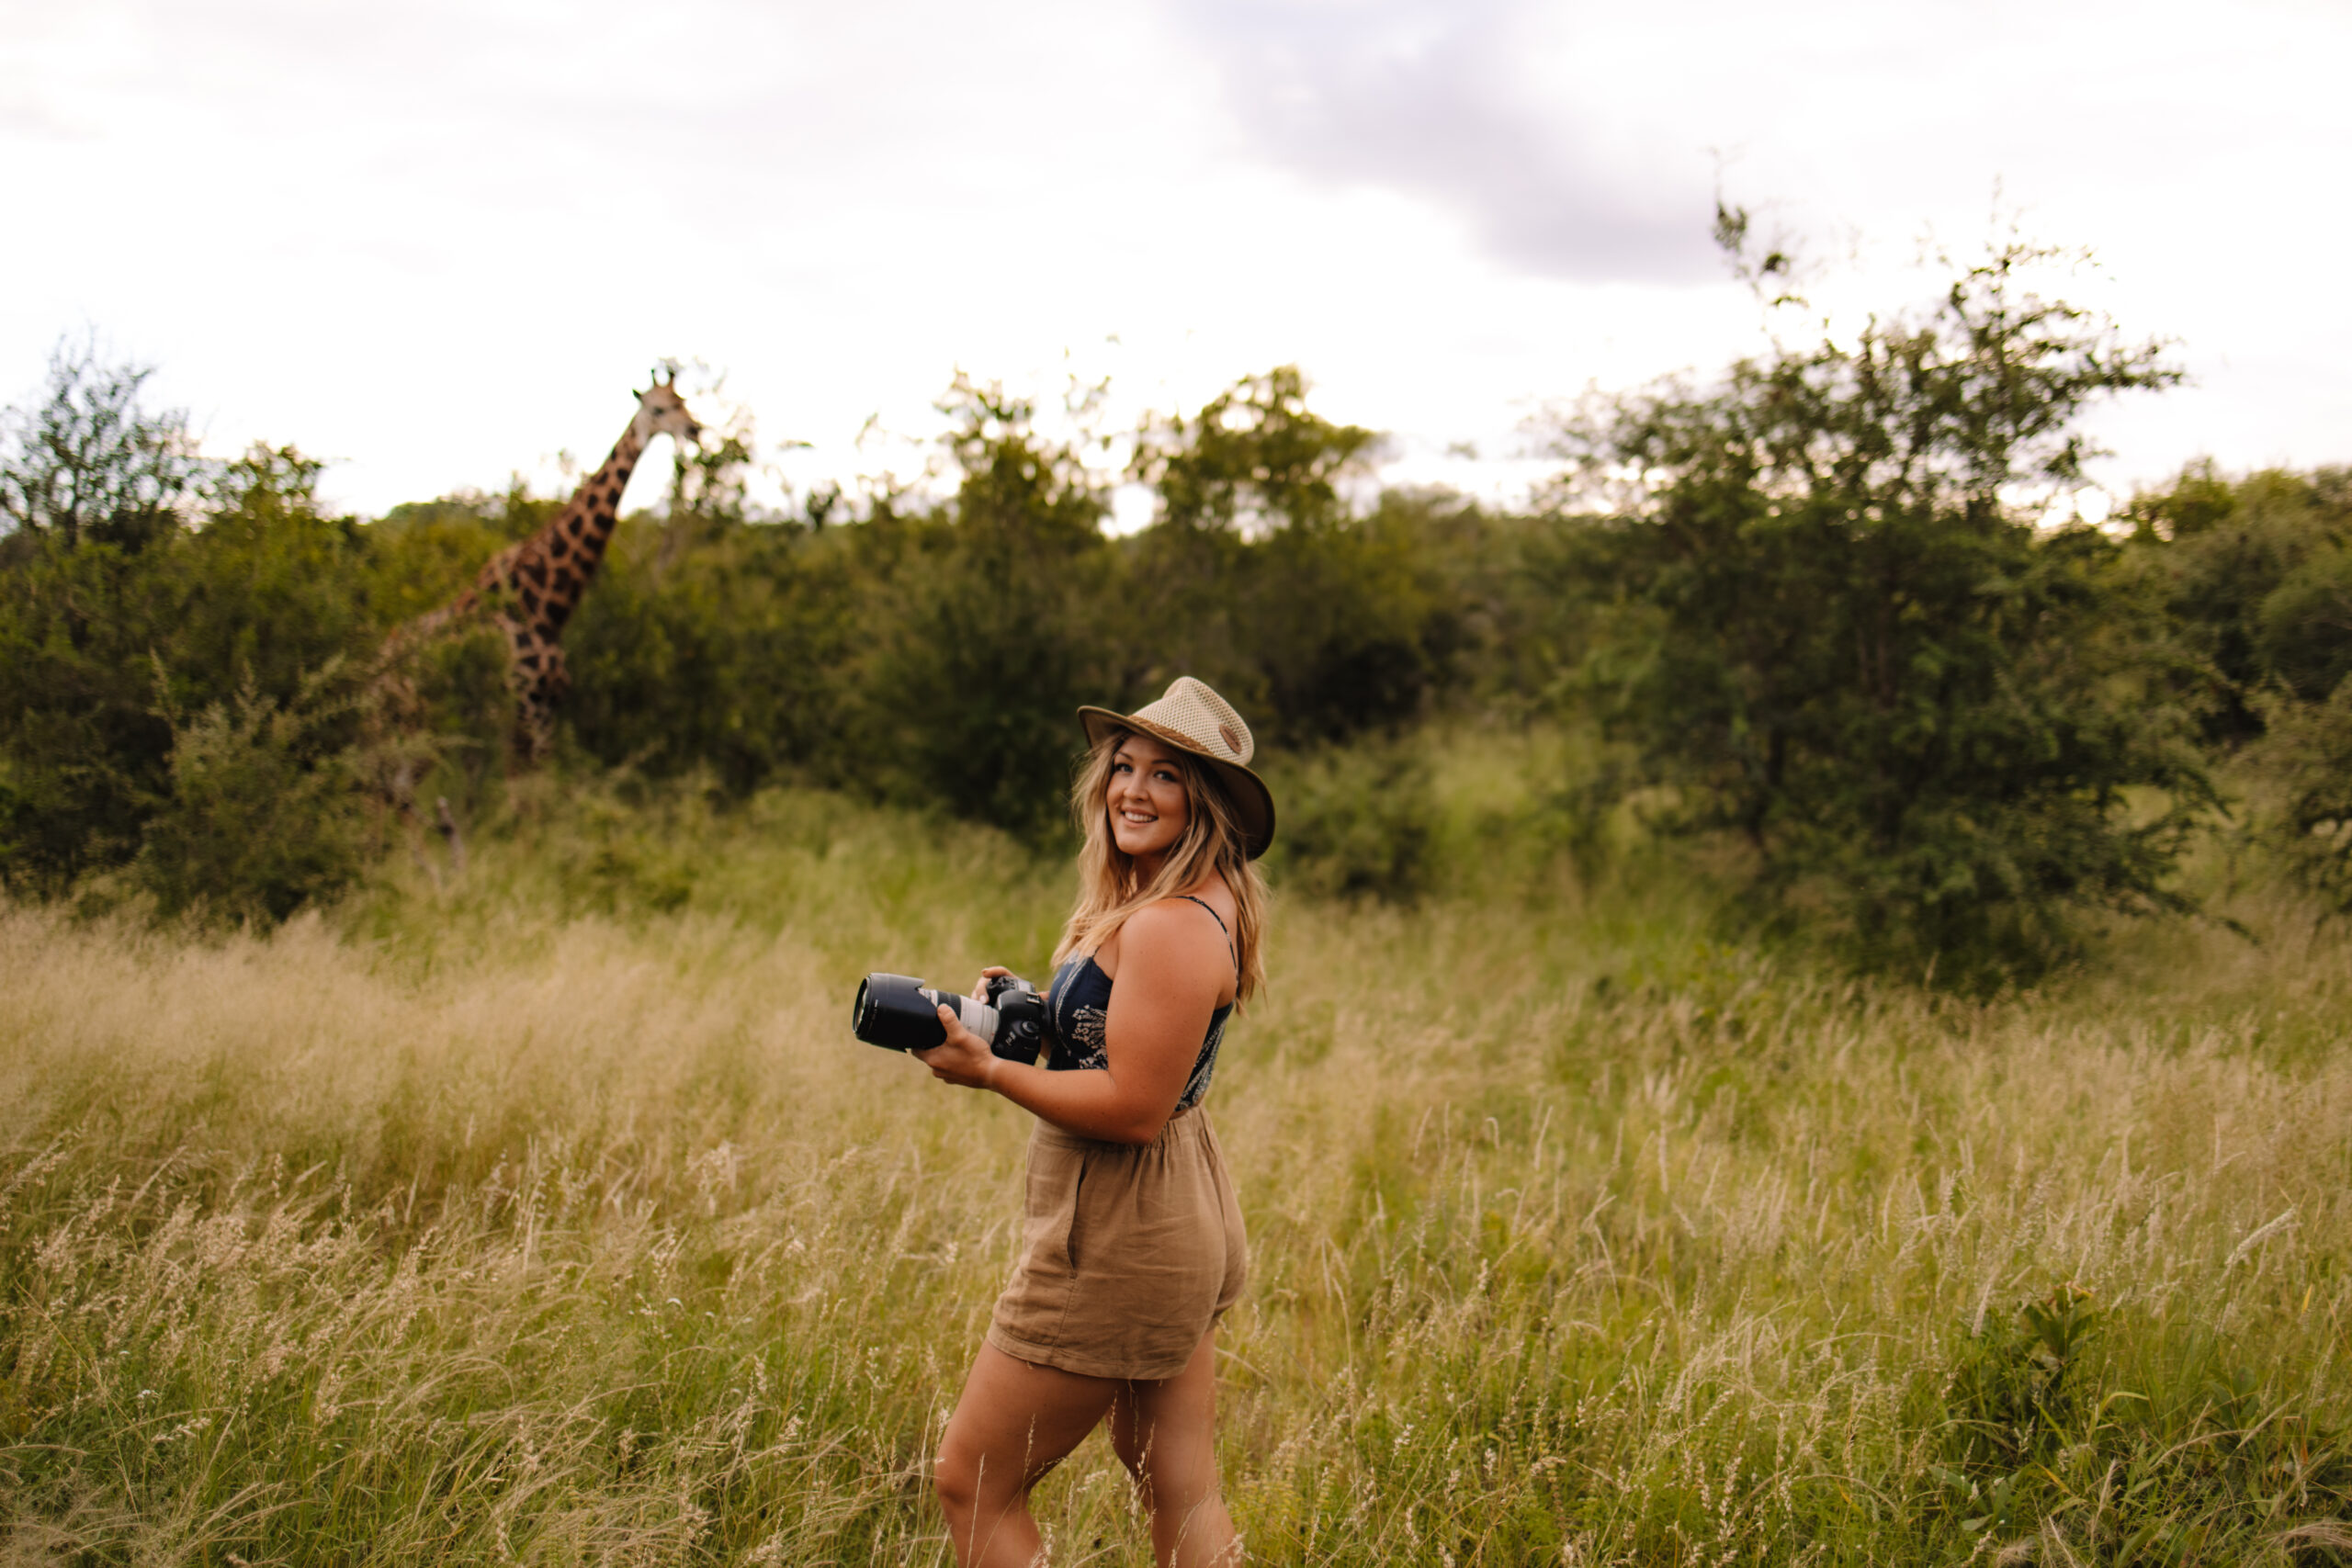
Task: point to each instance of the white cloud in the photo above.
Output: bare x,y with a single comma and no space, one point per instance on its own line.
1430,98
441,241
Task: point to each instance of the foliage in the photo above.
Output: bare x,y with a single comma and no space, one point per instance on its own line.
115,611
91,463
98,642
81,749
2025,1437
1816,613
2258,571
1355,821
734,658
263,814
1000,630
932,653
1267,584
1254,460
2259,579
2305,760
423,554
2013,1396
1833,625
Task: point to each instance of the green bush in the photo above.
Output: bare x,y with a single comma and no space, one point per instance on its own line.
1830,632
138,583
1003,616
263,816
1356,821
98,640
2305,809
2256,577
2305,637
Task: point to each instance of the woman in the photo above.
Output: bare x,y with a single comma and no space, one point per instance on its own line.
1133,1247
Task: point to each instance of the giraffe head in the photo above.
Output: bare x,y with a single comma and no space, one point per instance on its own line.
661,411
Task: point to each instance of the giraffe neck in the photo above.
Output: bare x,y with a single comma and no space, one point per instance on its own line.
552,570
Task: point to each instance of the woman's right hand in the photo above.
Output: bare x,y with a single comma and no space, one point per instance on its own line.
993,972
963,1058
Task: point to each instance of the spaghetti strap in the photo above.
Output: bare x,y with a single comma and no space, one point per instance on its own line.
1230,950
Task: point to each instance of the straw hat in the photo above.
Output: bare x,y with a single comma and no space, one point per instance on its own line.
1192,718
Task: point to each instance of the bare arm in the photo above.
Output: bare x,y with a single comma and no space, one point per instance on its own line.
1173,966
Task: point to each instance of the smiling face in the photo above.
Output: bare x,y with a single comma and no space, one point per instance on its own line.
1145,798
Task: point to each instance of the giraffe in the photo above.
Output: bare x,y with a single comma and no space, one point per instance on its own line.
531,587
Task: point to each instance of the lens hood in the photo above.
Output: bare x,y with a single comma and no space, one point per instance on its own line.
899,1012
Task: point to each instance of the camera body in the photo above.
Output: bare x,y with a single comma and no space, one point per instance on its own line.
899,1012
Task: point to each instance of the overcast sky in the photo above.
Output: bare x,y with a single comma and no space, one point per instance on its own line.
439,243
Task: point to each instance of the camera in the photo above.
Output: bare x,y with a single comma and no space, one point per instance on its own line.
900,1012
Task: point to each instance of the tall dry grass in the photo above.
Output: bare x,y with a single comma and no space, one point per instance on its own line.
551,1216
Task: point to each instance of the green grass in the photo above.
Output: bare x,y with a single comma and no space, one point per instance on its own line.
548,1214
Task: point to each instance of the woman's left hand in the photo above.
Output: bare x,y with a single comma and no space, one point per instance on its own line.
964,1058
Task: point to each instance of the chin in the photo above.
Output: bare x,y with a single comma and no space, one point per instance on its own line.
1137,845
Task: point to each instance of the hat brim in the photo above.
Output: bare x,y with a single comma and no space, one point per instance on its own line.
1253,803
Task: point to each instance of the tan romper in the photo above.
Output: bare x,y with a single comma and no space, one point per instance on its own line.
1130,1252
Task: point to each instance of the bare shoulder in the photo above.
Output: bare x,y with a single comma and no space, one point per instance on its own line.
1175,928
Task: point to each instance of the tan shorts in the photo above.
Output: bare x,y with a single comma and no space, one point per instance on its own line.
1129,1253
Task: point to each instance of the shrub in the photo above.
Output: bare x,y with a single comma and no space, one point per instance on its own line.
1356,821
1001,620
2305,760
1832,630
116,609
262,817
2258,582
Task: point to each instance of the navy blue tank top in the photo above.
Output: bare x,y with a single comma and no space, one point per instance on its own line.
1077,1007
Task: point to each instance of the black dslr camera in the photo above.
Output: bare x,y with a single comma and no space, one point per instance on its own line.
899,1012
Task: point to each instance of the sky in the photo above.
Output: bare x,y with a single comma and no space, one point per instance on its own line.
439,243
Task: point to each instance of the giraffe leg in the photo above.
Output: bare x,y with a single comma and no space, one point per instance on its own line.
526,663
542,680
555,679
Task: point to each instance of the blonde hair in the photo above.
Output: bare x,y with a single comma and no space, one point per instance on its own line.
1110,885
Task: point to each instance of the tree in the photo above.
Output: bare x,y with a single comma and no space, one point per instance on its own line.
2304,758
994,623
125,631
91,462
1254,459
2259,574
1835,628
1267,583
264,813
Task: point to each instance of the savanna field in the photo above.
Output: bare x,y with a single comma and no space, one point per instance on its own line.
545,1210
1809,982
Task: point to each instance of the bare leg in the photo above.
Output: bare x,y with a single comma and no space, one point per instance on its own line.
1165,1433
1014,1423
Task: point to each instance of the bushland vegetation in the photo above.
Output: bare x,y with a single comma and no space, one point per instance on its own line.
1806,1021
1813,614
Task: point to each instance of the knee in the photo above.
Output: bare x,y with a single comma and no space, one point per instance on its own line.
1134,1449
957,1480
